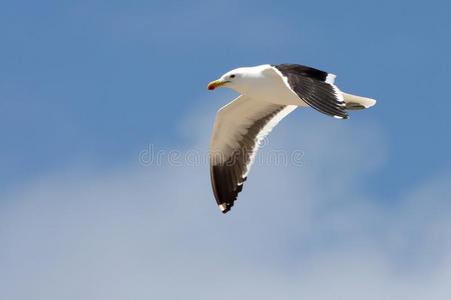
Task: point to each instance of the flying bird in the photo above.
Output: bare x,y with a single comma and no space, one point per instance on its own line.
268,93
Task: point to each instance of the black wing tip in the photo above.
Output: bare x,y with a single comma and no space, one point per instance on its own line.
224,198
225,207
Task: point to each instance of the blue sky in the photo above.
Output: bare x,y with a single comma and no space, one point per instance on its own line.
85,86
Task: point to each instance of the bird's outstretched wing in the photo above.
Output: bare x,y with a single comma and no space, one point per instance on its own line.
238,129
315,87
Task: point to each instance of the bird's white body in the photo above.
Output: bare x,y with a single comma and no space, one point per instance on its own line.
263,83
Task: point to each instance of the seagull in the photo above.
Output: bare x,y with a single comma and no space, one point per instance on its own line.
268,93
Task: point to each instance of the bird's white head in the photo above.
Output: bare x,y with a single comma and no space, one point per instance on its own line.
234,79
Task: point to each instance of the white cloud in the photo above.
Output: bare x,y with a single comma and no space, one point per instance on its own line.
311,231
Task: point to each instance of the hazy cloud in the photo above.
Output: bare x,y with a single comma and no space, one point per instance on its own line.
311,231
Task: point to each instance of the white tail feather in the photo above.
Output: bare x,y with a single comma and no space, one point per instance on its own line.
356,102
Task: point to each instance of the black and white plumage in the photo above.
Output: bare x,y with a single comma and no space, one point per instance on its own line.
268,94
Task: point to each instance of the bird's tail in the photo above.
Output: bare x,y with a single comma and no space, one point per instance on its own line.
356,102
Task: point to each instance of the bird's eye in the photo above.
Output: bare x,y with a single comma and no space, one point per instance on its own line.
232,76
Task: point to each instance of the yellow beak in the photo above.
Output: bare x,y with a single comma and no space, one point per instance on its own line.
217,83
